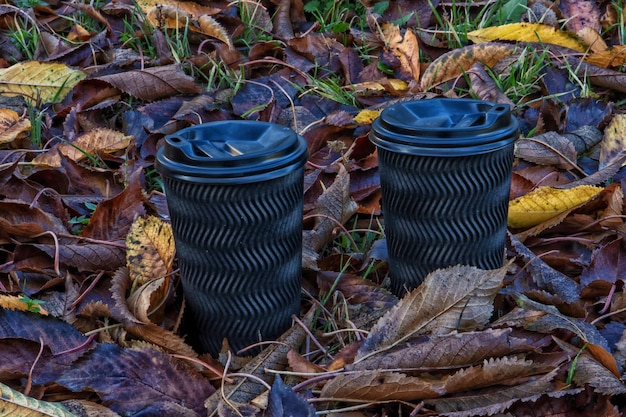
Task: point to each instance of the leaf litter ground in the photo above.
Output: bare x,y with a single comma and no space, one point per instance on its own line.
91,307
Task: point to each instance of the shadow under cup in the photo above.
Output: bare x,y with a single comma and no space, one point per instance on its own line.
235,194
445,172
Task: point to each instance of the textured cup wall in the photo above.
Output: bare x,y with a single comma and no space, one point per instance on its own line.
239,251
442,211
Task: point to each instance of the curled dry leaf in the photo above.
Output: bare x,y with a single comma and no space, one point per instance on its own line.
458,61
405,47
458,298
12,126
90,143
211,27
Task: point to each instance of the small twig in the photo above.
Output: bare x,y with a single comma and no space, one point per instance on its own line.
29,381
313,338
211,368
612,313
338,223
84,294
253,377
57,262
222,392
530,262
90,339
96,241
39,193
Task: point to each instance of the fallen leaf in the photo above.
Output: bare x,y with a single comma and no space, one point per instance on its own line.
614,142
90,143
12,126
544,203
528,32
149,249
405,47
153,83
39,82
458,61
458,298
16,404
381,385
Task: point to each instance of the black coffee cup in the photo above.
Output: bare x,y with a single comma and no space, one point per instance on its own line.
445,172
235,195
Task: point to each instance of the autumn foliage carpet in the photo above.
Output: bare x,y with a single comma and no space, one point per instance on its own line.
90,294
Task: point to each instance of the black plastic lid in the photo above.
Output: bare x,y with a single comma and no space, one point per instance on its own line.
231,151
444,127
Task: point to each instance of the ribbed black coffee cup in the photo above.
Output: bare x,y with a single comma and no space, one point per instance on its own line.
445,172
235,194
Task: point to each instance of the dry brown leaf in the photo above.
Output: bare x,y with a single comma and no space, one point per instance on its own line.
184,8
39,81
592,38
159,336
614,141
12,126
549,148
381,385
485,87
332,207
301,365
493,402
153,83
274,357
405,47
211,27
493,372
611,57
456,349
581,14
144,301
458,298
458,61
90,143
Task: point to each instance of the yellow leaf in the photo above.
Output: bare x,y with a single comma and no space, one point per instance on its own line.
611,57
43,82
97,140
373,87
366,116
544,203
11,302
12,126
528,32
149,249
